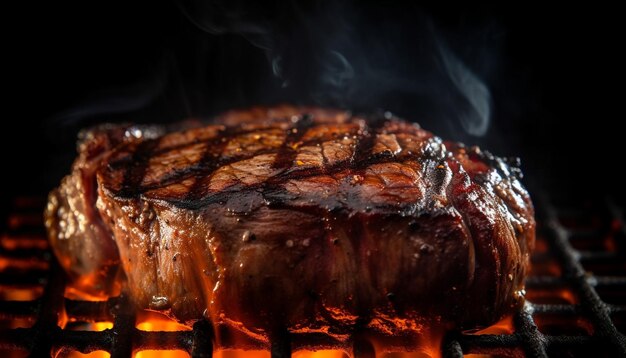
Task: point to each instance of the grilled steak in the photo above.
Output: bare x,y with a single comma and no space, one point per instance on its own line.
310,220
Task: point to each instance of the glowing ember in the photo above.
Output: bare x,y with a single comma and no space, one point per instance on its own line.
547,267
77,289
22,264
17,323
154,321
320,354
551,296
161,354
94,327
504,326
409,355
240,353
101,326
74,294
27,293
16,242
94,354
541,245
17,221
555,324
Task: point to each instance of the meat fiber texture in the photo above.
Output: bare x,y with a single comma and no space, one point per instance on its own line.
305,220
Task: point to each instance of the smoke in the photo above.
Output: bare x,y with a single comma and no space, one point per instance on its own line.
477,114
340,54
118,100
336,54
222,17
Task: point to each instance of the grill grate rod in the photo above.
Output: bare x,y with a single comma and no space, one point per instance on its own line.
574,272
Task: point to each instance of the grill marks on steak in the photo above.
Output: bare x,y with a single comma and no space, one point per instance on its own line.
285,151
309,219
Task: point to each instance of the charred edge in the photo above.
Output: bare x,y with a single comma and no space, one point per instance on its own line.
286,154
482,262
136,171
509,168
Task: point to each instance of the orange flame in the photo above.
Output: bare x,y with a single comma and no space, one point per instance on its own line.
94,327
553,296
13,293
155,321
319,354
162,354
20,220
240,353
94,354
15,242
504,326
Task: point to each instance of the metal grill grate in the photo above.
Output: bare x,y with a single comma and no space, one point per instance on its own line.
576,298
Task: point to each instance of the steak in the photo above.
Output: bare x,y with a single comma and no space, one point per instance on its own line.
312,220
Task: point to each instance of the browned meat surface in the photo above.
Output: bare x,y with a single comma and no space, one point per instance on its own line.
299,218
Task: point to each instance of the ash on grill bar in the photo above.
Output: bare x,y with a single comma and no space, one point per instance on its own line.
576,301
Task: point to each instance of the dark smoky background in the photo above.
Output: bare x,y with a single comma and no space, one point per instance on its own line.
542,83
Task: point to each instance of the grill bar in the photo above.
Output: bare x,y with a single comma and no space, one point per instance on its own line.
531,338
47,326
281,344
577,277
202,346
452,349
592,321
123,330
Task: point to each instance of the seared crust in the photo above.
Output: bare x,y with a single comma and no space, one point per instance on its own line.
317,221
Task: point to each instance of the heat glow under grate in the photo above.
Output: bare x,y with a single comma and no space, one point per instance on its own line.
576,301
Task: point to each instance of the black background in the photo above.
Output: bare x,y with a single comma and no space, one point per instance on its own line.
556,78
